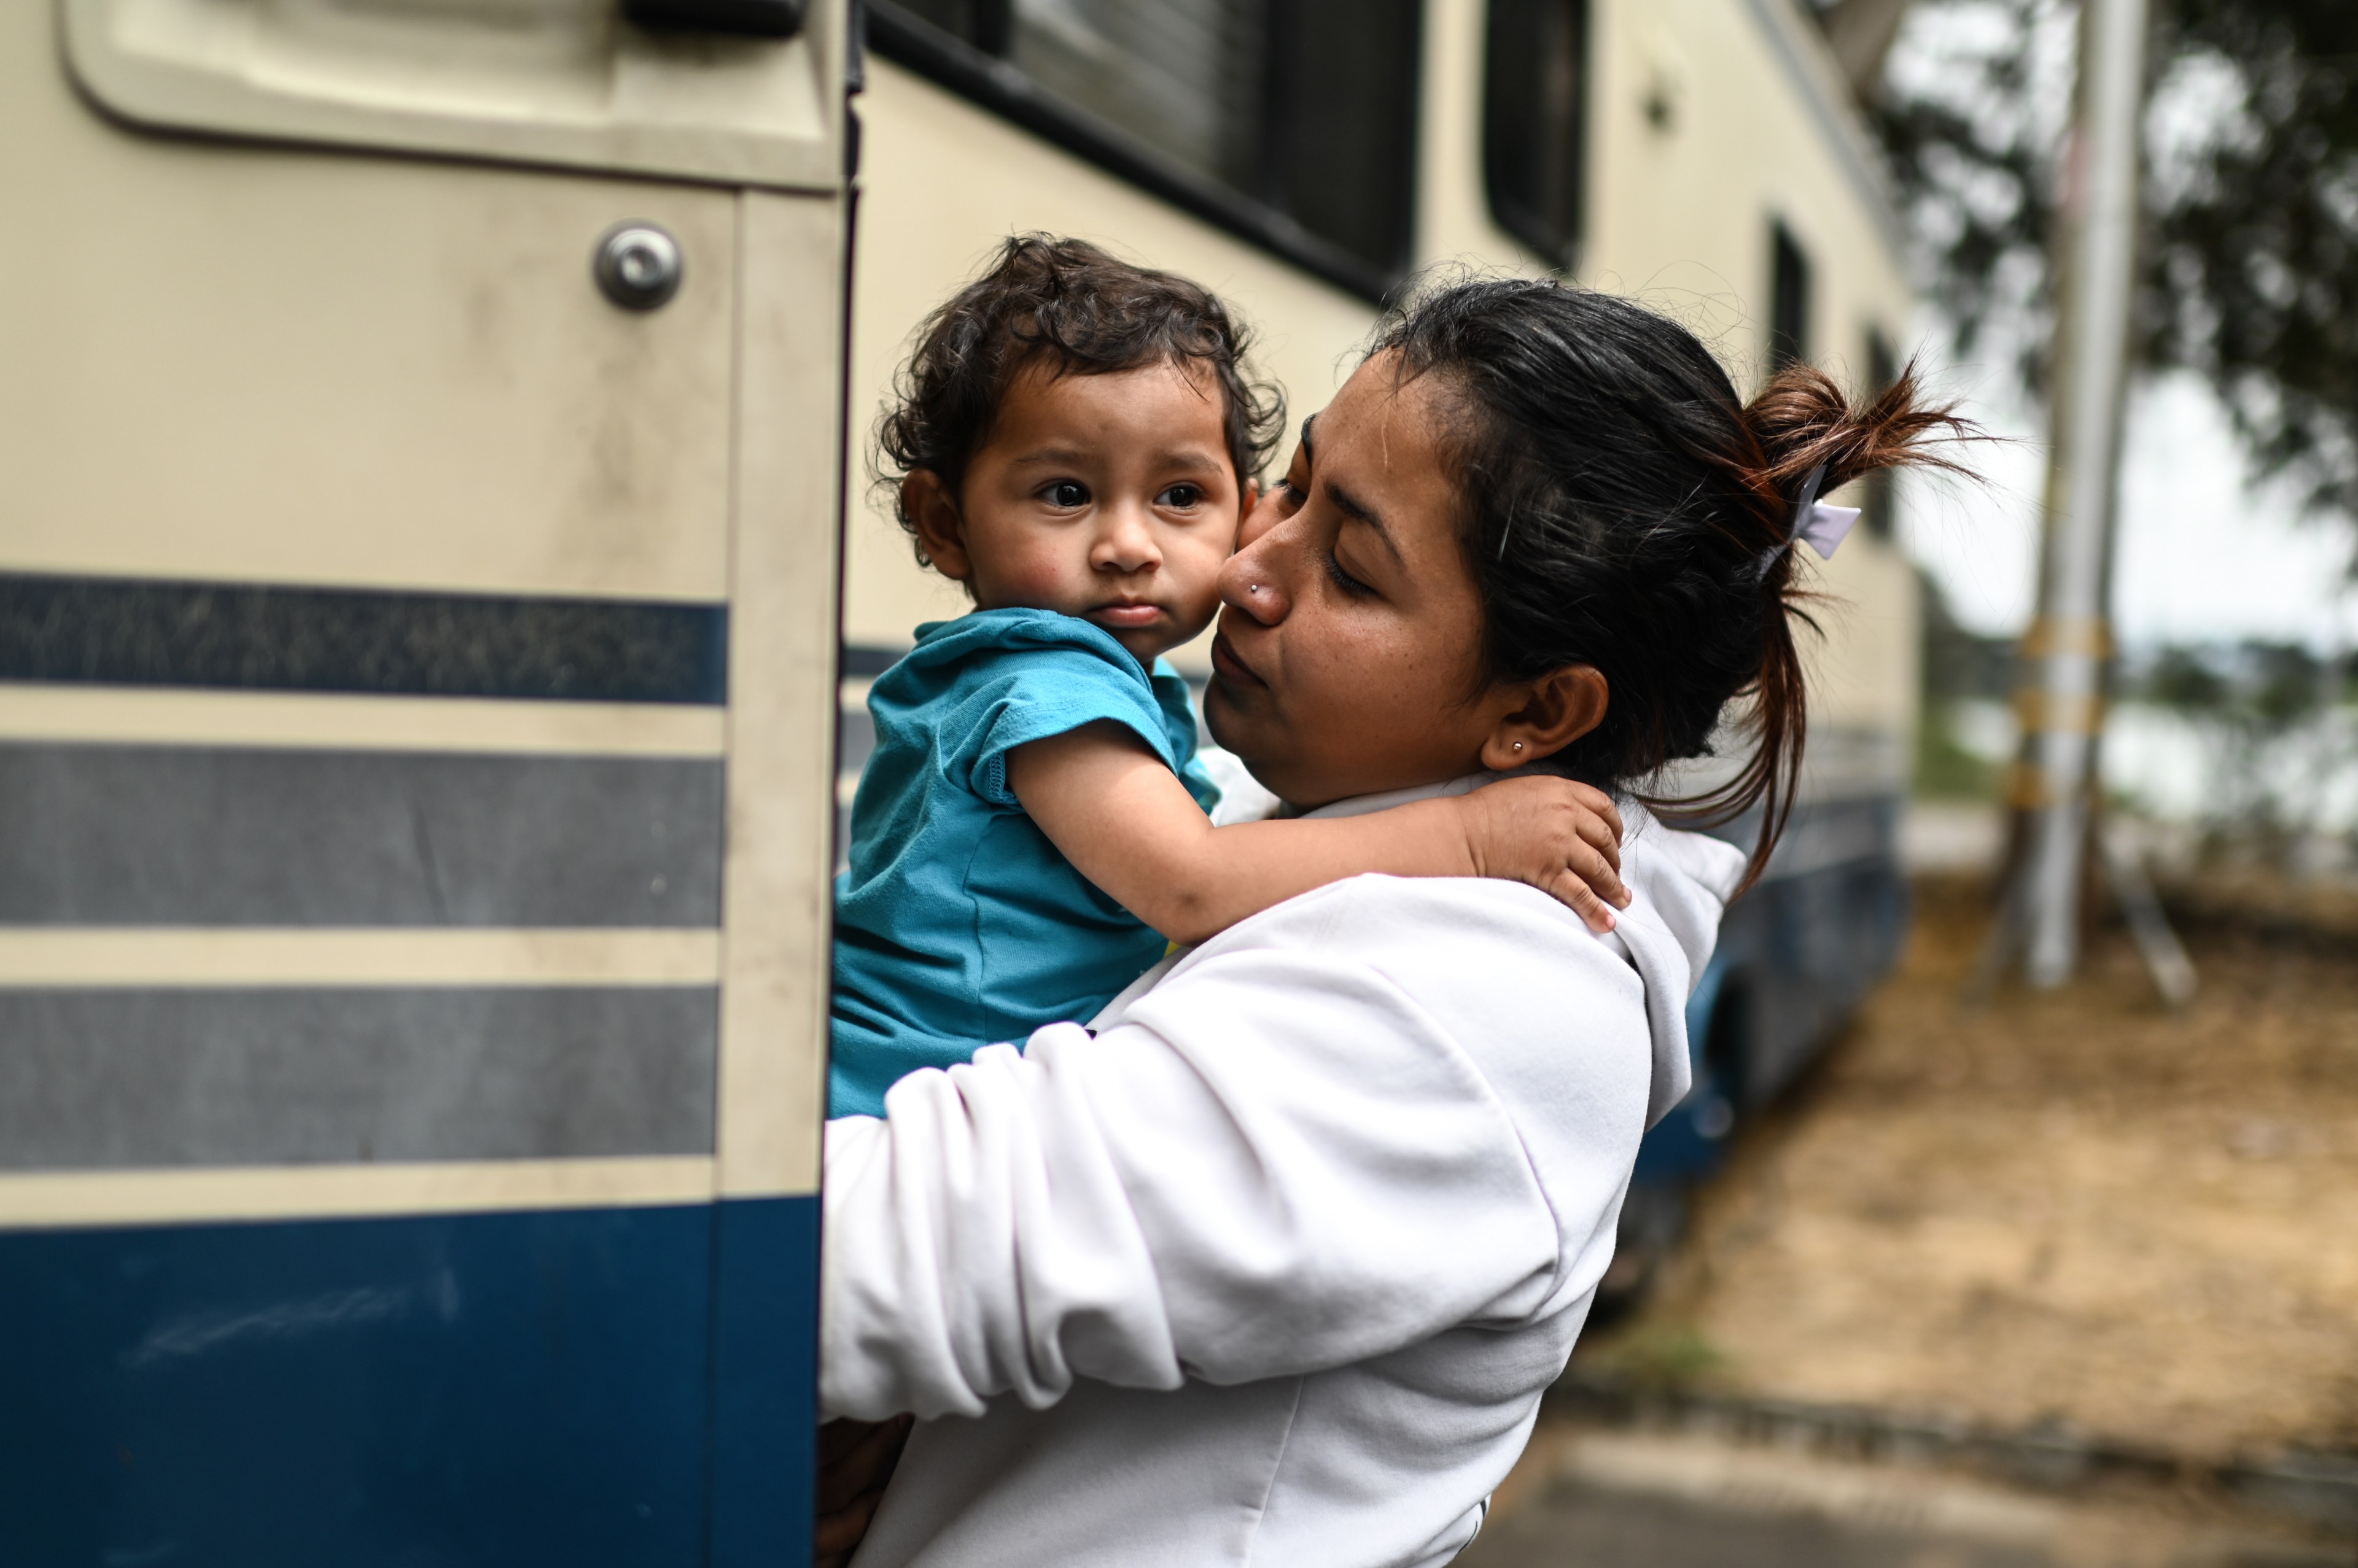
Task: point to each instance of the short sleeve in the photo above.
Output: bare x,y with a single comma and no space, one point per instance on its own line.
1019,694
1178,704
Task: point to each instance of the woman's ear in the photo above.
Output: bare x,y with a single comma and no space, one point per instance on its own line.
930,507
1556,709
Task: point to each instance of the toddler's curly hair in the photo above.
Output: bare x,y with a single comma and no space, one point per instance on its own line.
1080,310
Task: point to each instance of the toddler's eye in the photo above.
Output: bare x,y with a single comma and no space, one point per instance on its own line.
1179,497
1066,492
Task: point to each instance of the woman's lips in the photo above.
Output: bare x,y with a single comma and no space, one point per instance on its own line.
1127,614
1228,666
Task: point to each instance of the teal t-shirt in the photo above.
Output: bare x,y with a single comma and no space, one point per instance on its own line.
958,923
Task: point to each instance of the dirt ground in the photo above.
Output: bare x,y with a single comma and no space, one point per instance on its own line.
2072,1208
1589,1497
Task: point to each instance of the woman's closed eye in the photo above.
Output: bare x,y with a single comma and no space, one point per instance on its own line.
1066,494
1344,580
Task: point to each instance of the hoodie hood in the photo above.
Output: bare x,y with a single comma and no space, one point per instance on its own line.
1679,884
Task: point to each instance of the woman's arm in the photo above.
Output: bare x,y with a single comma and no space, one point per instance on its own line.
1279,1162
1123,819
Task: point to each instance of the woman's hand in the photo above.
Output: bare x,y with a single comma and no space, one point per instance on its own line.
1562,838
856,1458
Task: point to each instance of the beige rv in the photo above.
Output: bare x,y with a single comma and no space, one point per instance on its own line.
1304,157
428,581
1708,158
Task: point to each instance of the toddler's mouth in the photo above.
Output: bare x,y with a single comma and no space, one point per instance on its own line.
1126,615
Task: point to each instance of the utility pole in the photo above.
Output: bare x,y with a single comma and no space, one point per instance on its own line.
2060,695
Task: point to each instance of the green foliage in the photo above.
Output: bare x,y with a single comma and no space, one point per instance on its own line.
2277,733
2252,271
1658,1358
2255,686
1944,769
1973,151
2249,259
1959,665
2181,678
1958,661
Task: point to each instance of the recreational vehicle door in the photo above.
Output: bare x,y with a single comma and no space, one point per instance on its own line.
420,466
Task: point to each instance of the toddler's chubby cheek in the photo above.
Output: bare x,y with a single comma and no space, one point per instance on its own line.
1041,578
1069,591
1198,574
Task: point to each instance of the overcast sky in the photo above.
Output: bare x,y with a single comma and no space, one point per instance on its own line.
2201,557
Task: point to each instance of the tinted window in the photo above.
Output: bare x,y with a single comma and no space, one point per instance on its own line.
1534,103
1789,299
1292,121
1882,370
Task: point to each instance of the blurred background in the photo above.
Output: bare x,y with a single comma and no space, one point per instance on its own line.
1936,1266
422,620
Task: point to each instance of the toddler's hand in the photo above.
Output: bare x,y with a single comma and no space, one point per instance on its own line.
1564,839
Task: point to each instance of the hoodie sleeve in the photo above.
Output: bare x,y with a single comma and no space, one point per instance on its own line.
1380,1113
1281,1162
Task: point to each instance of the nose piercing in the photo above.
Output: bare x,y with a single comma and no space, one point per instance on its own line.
1518,745
1256,587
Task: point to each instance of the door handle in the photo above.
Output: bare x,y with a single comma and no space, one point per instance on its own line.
750,19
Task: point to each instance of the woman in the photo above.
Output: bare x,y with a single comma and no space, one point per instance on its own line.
1276,1266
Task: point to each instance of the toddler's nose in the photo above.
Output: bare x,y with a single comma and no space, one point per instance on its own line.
1125,544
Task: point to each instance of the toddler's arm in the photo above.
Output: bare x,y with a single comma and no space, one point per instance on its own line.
1119,815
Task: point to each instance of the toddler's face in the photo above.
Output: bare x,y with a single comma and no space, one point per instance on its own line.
1106,497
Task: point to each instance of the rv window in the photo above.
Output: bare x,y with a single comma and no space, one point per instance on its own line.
1292,122
1882,370
1532,116
1789,299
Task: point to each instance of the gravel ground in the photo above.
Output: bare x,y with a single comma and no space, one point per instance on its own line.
1599,1499
2071,1210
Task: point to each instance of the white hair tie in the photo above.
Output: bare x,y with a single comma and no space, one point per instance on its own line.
1824,526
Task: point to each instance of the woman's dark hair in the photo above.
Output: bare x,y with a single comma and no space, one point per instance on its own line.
1078,310
1626,509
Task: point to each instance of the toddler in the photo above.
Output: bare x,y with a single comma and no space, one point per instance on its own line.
1074,441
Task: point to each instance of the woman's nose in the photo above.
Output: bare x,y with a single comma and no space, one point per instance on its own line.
1251,580
1124,543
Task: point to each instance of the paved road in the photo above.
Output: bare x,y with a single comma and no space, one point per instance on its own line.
1612,1500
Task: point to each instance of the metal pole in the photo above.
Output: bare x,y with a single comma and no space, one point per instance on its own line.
2061,699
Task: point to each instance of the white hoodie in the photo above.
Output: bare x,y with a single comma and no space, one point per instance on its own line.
1275,1269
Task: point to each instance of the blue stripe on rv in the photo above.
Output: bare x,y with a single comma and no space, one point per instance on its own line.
624,1386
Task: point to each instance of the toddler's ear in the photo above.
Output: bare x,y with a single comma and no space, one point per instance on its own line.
1250,498
933,511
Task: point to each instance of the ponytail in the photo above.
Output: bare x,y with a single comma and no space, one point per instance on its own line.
1799,439
1625,509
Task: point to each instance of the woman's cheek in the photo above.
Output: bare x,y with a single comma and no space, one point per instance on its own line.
1204,555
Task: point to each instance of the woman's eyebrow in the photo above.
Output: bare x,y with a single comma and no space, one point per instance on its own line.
1306,451
1351,506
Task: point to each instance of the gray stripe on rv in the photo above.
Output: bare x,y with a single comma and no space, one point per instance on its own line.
101,1079
93,835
